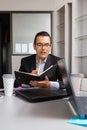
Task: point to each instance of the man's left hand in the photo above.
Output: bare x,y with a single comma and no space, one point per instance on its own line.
43,83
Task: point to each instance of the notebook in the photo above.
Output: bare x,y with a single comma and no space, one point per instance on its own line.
24,77
35,94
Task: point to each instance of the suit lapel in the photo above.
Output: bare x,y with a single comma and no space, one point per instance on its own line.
34,61
48,62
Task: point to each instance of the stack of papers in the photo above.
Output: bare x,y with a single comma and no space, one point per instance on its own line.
78,121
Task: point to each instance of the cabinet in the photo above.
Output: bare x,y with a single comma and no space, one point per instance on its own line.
64,32
60,30
79,46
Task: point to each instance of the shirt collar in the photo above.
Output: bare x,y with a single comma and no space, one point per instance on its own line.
42,62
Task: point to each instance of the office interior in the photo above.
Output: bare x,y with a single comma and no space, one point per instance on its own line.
67,27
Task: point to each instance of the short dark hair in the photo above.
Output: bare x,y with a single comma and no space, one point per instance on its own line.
42,33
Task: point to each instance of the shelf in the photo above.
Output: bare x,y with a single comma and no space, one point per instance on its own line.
60,25
80,18
62,42
81,37
80,56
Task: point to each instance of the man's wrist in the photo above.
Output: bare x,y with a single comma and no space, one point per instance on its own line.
54,84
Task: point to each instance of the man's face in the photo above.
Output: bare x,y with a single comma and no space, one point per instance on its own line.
42,47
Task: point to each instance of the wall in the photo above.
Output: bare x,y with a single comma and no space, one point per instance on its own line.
16,62
26,5
60,3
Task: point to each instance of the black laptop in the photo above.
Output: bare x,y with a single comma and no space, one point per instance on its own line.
34,94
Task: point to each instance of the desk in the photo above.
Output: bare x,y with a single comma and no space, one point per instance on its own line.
16,114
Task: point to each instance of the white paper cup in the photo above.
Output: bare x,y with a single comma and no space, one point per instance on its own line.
8,82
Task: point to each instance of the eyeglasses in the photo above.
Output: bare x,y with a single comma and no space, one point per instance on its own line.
43,45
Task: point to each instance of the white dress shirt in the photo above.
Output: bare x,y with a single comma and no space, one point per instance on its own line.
40,67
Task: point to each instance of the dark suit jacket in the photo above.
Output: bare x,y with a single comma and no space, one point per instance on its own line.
29,63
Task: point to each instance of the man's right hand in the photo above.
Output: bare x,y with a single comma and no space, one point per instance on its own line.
35,72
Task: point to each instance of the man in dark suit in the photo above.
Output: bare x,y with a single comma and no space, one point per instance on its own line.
41,61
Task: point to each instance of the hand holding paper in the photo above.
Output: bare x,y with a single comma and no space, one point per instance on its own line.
35,72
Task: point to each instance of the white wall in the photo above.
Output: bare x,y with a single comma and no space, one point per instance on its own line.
16,62
61,3
26,5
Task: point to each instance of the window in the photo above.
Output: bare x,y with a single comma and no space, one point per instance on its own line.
24,28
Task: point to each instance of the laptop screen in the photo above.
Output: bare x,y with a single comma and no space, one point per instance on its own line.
65,76
67,82
77,100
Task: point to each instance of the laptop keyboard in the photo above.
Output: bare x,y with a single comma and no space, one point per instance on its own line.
83,103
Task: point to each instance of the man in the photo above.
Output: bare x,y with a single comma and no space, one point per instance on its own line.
41,61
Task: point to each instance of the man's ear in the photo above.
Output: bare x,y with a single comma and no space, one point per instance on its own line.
51,46
34,46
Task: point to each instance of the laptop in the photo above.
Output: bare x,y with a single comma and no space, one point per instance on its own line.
37,94
78,101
